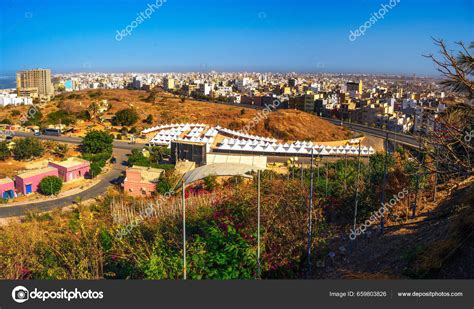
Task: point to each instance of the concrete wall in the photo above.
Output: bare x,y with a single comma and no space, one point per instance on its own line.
257,161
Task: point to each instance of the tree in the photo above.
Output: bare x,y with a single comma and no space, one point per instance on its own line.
61,117
210,182
95,169
125,117
4,151
149,119
93,109
151,97
34,117
50,185
27,149
457,69
163,186
158,153
6,121
137,158
450,142
60,150
97,142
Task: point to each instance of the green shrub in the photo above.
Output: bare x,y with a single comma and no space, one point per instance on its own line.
27,149
95,169
50,185
5,153
125,117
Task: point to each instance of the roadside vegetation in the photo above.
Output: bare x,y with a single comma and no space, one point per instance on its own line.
96,147
50,185
221,226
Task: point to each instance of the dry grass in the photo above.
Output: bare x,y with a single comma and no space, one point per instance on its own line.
170,109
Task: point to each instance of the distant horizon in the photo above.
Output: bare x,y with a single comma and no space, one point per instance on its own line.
62,72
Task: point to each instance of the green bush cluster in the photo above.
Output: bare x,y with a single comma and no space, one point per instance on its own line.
97,148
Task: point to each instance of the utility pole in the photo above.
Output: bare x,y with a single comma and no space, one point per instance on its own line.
345,169
327,177
417,177
357,190
258,226
301,165
310,216
384,183
184,229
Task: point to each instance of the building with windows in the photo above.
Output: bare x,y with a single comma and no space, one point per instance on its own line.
72,168
13,99
35,83
7,188
141,181
168,84
28,182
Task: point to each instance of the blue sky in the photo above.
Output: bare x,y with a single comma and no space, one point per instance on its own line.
224,35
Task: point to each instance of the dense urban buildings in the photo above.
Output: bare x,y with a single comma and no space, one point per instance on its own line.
396,103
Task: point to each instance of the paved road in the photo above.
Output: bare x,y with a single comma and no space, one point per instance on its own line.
97,190
400,138
76,140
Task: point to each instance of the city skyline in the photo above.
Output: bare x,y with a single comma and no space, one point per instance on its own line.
226,36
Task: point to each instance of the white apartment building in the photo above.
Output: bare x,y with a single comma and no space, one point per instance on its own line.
14,99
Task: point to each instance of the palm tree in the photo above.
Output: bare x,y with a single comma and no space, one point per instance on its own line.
93,109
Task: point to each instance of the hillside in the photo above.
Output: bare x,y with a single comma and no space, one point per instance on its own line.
436,244
282,124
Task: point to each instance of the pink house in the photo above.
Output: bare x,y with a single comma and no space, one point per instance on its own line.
72,168
141,181
7,188
28,182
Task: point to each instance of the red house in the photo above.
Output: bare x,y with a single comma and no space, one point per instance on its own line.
141,181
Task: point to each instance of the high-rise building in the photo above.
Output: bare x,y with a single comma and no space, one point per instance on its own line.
35,83
168,83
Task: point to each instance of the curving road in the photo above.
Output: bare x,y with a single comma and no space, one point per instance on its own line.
76,140
122,148
399,138
120,151
96,190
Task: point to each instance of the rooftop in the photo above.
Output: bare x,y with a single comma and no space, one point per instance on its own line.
36,172
148,174
5,180
71,162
